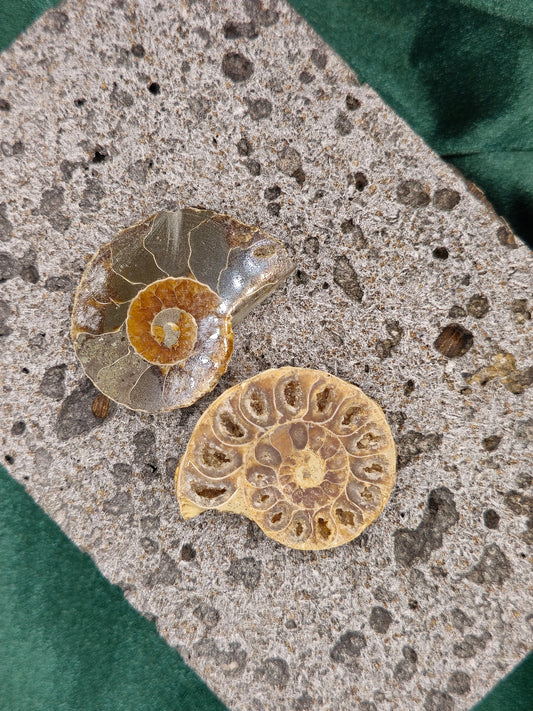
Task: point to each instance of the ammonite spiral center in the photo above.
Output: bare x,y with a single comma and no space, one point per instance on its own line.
162,321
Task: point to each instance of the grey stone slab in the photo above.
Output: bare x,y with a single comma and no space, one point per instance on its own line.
122,109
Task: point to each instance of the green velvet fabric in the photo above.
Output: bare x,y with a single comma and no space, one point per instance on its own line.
17,15
68,638
460,72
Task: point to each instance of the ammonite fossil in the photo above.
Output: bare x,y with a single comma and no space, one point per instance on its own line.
153,314
307,456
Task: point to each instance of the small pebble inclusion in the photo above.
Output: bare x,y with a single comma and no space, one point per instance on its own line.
153,313
307,456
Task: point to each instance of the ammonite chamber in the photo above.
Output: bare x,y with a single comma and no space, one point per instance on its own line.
307,456
153,314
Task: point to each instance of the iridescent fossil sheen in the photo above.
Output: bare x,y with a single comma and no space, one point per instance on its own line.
307,456
153,314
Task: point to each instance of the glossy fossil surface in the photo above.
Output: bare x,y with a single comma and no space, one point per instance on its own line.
153,314
307,456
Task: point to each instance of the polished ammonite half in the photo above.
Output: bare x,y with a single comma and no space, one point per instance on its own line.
153,314
307,456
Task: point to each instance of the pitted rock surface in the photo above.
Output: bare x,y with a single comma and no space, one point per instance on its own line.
119,110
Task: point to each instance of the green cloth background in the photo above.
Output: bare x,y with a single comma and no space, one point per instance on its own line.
461,73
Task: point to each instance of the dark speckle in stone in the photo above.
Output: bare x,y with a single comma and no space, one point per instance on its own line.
289,161
92,195
238,30
274,208
524,480
301,277
253,166
456,312
273,671
492,568
299,176
458,683
67,168
5,313
259,108
137,50
53,382
409,387
139,170
237,67
343,125
122,472
305,702
230,662
154,88
76,417
272,193
490,444
491,518
29,273
459,619
50,206
345,277
145,457
506,237
149,546
306,77
119,504
478,306
8,266
439,516
319,58
246,571
412,444
243,147
348,649
454,341
56,20
440,253
412,193
165,574
5,105
405,669
100,155
187,552
18,427
63,282
312,246
290,624
470,645
359,180
519,503
352,103
171,464
120,98
446,199
438,701
380,619
6,228
79,102
207,614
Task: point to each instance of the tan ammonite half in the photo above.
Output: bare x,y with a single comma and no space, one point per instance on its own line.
153,314
307,456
